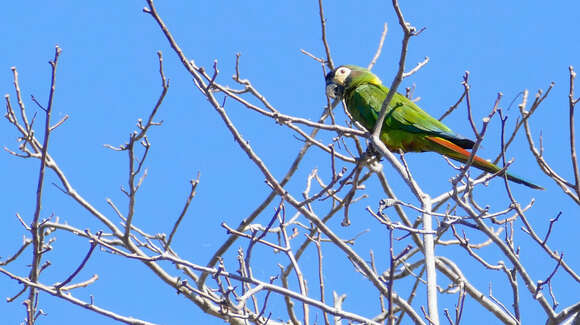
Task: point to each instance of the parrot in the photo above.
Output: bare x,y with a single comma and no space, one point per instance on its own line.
406,127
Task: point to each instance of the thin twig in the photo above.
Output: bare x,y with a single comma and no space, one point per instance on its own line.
380,48
409,31
416,68
454,106
82,265
572,103
324,40
68,297
34,226
190,197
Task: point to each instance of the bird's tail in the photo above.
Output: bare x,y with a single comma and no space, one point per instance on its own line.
455,152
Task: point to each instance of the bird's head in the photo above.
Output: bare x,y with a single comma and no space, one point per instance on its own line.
346,77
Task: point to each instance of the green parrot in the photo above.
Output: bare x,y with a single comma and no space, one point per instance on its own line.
406,126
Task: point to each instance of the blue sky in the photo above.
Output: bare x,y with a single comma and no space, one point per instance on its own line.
108,78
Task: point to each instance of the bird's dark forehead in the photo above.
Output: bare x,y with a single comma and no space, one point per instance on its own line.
330,75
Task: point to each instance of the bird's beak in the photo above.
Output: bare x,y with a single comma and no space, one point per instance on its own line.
333,90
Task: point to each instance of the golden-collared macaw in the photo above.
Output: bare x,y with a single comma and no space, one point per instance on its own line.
406,126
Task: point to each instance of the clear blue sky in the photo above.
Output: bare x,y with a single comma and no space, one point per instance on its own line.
108,78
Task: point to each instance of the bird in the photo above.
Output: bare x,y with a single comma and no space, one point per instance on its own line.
406,126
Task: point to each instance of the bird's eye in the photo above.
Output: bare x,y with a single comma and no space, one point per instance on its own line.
341,71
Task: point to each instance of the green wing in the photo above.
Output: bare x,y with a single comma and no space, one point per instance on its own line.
364,104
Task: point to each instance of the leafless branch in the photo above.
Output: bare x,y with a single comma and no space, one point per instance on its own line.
324,40
81,266
572,103
37,244
190,197
68,297
380,48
